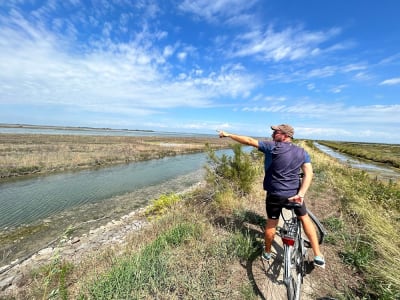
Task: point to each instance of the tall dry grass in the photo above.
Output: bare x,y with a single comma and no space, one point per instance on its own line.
27,154
372,212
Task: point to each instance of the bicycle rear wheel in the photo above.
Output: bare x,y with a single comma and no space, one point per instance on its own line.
293,265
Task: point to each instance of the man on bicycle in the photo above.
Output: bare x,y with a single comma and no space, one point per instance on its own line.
283,160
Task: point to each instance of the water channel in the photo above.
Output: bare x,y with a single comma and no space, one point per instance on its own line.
26,201
379,170
38,210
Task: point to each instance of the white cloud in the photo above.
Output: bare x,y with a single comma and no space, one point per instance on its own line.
213,10
291,43
373,114
338,89
311,86
125,77
392,81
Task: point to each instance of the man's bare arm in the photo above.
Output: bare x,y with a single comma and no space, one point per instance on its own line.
305,183
246,140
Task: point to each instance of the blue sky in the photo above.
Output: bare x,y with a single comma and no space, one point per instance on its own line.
329,68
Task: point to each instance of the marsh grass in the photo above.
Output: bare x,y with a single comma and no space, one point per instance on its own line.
26,154
197,248
371,211
384,153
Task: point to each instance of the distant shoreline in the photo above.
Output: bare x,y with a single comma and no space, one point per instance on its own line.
6,125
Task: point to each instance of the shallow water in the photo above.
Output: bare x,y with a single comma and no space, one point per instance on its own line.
36,211
380,171
26,201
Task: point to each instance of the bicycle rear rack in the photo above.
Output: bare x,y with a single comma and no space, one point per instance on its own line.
288,232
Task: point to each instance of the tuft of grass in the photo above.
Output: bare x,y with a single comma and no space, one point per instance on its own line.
333,224
162,203
145,272
226,201
335,227
242,244
358,253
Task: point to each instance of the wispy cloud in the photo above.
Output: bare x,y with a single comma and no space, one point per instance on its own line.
377,114
291,43
392,81
133,77
162,63
218,10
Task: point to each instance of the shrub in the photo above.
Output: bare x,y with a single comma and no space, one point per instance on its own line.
162,203
227,172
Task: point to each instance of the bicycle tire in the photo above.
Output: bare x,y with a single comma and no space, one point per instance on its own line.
292,272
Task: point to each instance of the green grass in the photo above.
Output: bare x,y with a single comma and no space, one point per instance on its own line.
384,153
370,229
146,272
162,203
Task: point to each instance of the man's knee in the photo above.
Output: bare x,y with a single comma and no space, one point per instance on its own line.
271,223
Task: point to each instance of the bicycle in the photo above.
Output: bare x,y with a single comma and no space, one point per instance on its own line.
295,249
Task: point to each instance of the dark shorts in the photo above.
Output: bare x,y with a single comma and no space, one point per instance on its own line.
272,204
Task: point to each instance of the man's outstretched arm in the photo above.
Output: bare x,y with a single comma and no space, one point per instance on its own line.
245,140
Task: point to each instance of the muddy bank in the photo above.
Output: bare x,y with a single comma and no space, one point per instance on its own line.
15,276
74,246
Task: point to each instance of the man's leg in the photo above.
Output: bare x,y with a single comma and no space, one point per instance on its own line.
311,233
270,229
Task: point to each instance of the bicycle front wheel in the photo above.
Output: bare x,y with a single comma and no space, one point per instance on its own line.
292,271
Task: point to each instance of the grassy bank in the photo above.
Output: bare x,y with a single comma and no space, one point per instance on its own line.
26,154
368,229
383,153
205,244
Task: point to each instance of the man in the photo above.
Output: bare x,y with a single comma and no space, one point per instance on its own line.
283,161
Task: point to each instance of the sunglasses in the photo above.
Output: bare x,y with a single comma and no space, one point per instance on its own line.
277,132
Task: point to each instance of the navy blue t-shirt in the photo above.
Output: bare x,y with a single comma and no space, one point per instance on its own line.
282,166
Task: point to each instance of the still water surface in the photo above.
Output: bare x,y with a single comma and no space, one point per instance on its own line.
94,131
26,201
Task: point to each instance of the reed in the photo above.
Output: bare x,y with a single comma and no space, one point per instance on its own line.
26,154
383,153
371,211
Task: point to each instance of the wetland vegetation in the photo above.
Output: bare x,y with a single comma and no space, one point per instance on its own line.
203,244
27,154
383,153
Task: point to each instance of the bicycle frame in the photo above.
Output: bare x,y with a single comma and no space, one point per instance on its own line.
294,253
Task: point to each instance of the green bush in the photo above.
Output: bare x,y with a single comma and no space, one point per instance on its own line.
226,172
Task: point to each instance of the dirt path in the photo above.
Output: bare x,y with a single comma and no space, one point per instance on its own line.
319,284
268,276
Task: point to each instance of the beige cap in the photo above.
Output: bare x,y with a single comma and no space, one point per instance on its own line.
285,128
